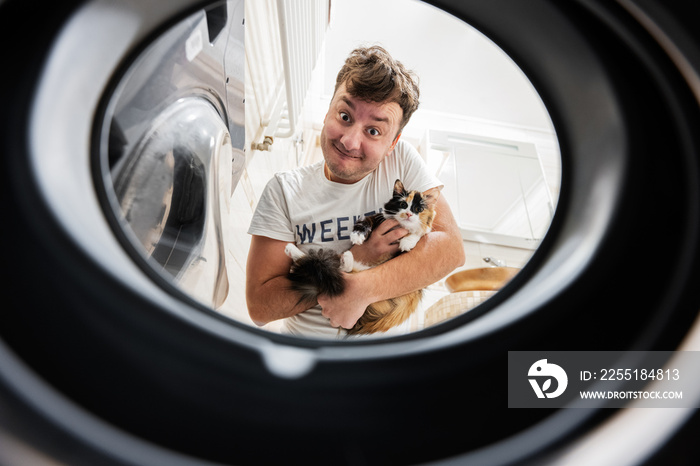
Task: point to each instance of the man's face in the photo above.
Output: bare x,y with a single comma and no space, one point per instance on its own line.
357,135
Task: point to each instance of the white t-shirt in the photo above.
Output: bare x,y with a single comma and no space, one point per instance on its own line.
302,206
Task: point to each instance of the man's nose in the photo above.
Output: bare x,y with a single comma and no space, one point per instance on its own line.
352,138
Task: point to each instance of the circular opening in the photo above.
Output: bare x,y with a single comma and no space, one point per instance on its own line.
184,172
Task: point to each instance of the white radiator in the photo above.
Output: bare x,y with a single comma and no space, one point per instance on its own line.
283,42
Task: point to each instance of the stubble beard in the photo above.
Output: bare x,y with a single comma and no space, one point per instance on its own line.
337,171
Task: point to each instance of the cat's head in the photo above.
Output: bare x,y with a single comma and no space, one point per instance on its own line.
414,210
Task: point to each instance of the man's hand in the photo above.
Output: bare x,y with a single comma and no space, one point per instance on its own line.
435,255
344,310
382,244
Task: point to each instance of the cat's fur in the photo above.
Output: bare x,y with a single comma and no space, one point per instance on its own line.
320,271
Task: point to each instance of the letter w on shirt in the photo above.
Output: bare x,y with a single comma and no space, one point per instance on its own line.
306,235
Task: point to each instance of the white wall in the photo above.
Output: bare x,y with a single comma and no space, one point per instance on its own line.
468,84
461,71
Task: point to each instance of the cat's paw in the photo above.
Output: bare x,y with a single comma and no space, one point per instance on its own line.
357,237
347,262
293,252
408,242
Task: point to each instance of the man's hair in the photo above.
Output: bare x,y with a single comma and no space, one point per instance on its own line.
371,74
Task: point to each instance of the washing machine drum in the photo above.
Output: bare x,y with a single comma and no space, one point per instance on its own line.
104,362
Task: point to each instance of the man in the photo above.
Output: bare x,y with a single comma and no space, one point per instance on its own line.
317,205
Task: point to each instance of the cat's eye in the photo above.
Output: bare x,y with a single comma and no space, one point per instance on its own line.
404,205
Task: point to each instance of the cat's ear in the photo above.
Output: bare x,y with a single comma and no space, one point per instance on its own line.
431,196
399,190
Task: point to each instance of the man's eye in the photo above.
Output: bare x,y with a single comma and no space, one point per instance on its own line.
344,116
373,131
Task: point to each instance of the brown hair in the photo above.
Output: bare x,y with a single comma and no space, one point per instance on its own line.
371,74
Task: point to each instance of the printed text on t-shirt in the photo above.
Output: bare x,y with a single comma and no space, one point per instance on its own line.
325,231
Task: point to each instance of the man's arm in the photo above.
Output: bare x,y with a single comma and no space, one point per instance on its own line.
437,254
267,288
268,292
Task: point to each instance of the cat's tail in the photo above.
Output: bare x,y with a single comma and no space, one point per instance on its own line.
317,272
384,315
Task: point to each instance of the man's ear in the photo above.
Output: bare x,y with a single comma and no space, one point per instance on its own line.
393,144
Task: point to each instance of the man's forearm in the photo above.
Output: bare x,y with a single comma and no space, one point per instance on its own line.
437,254
274,300
268,292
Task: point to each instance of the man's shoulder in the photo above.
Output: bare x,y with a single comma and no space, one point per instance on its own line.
402,157
405,147
404,152
297,175
408,166
301,172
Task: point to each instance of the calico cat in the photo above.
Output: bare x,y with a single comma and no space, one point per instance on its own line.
320,271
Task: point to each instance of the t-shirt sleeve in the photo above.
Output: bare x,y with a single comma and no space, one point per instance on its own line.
271,217
414,171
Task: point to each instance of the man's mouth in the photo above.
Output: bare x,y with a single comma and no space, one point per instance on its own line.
345,154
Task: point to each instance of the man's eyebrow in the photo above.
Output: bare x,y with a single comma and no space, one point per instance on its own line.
350,104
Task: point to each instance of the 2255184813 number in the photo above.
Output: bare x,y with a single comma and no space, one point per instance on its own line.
639,374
